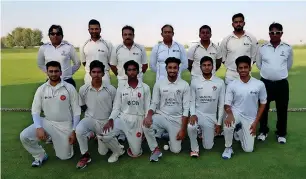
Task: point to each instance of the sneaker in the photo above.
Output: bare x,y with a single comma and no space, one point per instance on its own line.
156,154
236,136
129,152
38,162
115,156
85,159
262,137
227,154
49,140
194,154
281,140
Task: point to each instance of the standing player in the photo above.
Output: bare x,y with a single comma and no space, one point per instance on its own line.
59,101
237,44
96,48
203,48
61,51
274,61
98,98
168,111
128,50
207,99
241,107
165,49
130,108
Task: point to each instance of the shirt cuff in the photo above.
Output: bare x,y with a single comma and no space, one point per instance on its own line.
186,113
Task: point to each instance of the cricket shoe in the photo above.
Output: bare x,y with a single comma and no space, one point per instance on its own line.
227,154
262,137
115,156
281,140
129,152
156,154
194,154
85,159
49,140
39,161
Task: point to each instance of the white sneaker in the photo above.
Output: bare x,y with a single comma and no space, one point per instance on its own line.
262,137
281,140
115,156
227,154
236,136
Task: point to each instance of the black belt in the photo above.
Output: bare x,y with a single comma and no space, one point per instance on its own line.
274,81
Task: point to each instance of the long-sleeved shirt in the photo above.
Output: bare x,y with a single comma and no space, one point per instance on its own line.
130,101
274,63
64,53
171,98
161,52
207,97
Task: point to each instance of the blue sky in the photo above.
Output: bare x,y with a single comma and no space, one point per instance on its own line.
148,17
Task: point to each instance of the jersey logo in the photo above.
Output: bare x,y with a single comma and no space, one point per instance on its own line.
246,44
254,92
48,97
135,53
214,88
100,50
165,91
212,53
178,92
282,54
63,97
138,134
139,95
199,88
125,94
134,103
64,53
176,51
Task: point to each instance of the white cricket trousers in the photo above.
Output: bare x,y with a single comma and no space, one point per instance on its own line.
105,78
131,126
59,132
246,139
159,126
207,124
83,130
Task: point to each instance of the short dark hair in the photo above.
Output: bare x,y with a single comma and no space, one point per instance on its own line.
205,27
57,27
167,25
93,22
243,59
205,59
276,25
172,60
96,64
127,27
54,64
130,62
238,15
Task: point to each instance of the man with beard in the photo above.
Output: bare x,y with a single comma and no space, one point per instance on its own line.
59,101
203,48
207,100
275,59
165,49
237,44
131,105
128,50
241,107
98,97
168,111
61,51
96,48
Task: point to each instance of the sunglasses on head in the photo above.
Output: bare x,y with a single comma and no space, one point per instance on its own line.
275,33
55,33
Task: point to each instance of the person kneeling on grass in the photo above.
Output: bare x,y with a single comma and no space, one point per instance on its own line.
241,106
59,101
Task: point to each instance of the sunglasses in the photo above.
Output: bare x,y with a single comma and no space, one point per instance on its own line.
275,33
57,33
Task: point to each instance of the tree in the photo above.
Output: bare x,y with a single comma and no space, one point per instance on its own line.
262,41
24,37
186,46
9,41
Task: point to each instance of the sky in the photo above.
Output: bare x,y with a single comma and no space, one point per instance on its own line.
148,17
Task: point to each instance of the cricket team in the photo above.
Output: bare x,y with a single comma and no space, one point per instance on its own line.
207,106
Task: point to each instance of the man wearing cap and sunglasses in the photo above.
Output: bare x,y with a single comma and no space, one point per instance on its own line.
274,60
59,50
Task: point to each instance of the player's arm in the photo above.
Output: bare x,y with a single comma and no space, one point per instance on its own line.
82,99
223,49
82,55
152,108
219,58
76,112
229,97
193,117
115,112
147,99
221,102
35,111
290,59
114,62
41,59
259,58
254,49
186,103
190,56
75,60
153,59
144,60
184,59
110,51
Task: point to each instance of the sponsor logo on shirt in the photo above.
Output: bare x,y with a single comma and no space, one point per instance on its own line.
254,92
133,103
212,53
178,92
100,50
64,53
165,91
125,94
176,51
246,43
199,88
139,95
206,99
138,134
63,97
282,54
170,101
214,88
48,97
135,53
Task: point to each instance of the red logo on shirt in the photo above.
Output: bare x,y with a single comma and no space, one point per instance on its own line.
139,95
214,88
63,97
138,134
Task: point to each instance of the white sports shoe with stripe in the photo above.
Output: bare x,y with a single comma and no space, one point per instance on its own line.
227,154
262,137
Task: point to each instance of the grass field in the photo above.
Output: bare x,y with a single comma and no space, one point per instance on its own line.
21,77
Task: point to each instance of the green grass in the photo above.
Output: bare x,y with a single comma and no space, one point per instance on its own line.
21,77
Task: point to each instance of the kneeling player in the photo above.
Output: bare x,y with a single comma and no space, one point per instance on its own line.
207,97
59,101
241,107
131,105
168,111
98,98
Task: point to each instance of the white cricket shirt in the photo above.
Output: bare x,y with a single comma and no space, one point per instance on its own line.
64,53
161,52
243,97
198,51
59,103
99,102
233,47
100,50
274,63
171,98
130,101
207,97
122,54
